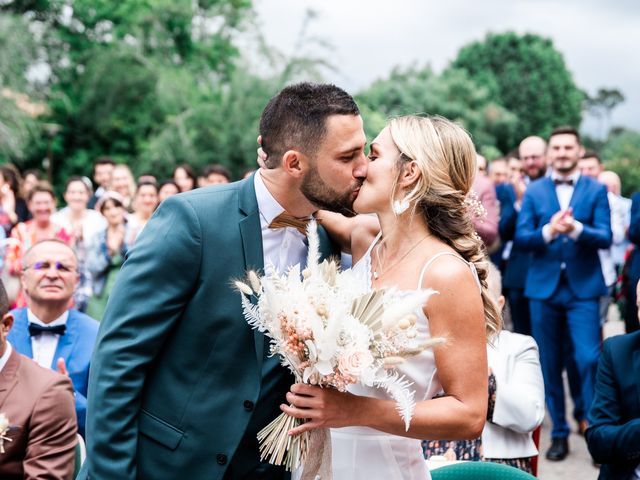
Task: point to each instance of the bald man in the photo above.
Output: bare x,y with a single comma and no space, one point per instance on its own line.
47,330
533,155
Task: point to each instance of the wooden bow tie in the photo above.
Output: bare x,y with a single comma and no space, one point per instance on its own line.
287,220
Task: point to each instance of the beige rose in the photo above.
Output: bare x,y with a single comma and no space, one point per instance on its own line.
354,362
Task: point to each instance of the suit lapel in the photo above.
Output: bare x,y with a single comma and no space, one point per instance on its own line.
66,342
577,191
251,234
636,372
552,193
19,334
8,377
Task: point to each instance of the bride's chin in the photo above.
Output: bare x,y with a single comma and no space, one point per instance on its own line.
362,209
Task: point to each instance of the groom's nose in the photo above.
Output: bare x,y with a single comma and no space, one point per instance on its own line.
360,167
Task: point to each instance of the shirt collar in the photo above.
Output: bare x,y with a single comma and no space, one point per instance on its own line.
575,176
5,356
267,205
61,320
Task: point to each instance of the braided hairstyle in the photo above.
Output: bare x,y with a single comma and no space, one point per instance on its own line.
446,158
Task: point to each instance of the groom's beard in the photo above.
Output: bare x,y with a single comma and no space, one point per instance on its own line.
324,197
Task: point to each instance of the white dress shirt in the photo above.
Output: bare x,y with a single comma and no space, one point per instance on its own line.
5,356
564,193
44,345
281,247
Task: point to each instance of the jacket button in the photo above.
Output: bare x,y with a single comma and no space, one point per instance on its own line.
221,458
248,405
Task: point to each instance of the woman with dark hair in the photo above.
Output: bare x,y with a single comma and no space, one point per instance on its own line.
13,208
106,251
167,189
185,177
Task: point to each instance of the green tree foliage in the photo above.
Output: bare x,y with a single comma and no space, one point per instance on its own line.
527,76
621,154
121,72
453,95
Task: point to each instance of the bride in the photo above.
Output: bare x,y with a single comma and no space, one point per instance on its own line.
419,176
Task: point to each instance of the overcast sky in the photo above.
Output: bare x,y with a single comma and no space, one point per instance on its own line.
599,39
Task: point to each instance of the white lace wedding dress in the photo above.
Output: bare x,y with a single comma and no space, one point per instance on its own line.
361,453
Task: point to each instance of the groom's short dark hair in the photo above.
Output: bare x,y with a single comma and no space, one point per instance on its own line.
295,119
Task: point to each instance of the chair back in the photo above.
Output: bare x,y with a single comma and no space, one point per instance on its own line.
479,471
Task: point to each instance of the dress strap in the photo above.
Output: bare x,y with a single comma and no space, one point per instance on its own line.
441,254
373,244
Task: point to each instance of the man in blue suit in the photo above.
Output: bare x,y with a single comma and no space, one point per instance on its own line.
613,436
47,330
180,384
563,222
633,266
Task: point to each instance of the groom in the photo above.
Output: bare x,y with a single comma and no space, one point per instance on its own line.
179,383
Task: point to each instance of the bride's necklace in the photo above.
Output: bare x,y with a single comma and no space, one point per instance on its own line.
377,275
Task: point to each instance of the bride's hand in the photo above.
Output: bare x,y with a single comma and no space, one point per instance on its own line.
320,407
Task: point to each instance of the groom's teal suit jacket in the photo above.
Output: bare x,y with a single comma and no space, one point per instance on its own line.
176,377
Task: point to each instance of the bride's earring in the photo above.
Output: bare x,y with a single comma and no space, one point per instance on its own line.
400,206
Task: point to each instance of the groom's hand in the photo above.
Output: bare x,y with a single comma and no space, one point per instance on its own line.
321,407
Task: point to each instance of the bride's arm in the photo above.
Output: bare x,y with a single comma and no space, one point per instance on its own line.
455,313
354,234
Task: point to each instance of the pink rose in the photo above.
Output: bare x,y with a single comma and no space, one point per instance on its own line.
354,362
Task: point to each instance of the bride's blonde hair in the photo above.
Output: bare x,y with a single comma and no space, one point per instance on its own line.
446,157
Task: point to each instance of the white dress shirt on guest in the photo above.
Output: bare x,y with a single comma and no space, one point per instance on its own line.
281,247
564,193
44,345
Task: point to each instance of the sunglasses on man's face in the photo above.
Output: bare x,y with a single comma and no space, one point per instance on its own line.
45,266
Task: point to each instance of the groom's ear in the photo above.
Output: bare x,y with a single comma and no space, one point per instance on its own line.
294,163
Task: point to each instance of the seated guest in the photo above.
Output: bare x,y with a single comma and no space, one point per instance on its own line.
166,189
47,330
516,400
215,174
107,251
38,437
613,436
485,193
42,205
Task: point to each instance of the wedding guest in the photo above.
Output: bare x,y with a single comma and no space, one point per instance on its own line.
41,202
484,192
85,223
613,436
167,188
591,164
47,330
620,216
185,177
102,172
13,208
215,174
145,203
147,178
516,401
122,182
37,403
499,171
30,179
563,222
633,266
106,253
